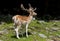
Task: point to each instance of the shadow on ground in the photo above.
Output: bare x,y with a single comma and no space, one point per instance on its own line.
23,35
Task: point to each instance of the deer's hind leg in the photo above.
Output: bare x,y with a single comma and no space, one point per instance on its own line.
17,30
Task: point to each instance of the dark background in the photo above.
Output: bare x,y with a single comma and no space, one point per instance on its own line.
46,9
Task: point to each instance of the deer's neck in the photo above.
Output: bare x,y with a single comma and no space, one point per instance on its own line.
31,16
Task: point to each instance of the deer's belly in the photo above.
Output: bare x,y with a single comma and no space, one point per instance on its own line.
24,22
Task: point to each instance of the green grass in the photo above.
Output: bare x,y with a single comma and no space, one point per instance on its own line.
34,26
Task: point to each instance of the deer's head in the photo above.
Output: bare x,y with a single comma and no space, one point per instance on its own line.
31,10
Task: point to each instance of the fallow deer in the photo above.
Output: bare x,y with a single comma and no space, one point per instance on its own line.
19,19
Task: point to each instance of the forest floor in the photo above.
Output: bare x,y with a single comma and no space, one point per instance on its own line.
39,30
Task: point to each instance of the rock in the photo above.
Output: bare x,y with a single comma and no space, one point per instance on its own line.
51,36
1,40
32,27
42,35
41,21
56,39
1,32
4,32
58,35
34,32
54,24
49,40
2,23
55,20
54,28
47,28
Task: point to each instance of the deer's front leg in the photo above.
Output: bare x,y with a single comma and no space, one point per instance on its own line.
26,30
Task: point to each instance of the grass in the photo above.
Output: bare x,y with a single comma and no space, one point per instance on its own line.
34,26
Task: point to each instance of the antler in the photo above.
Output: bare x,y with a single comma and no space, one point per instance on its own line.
34,9
31,7
23,7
